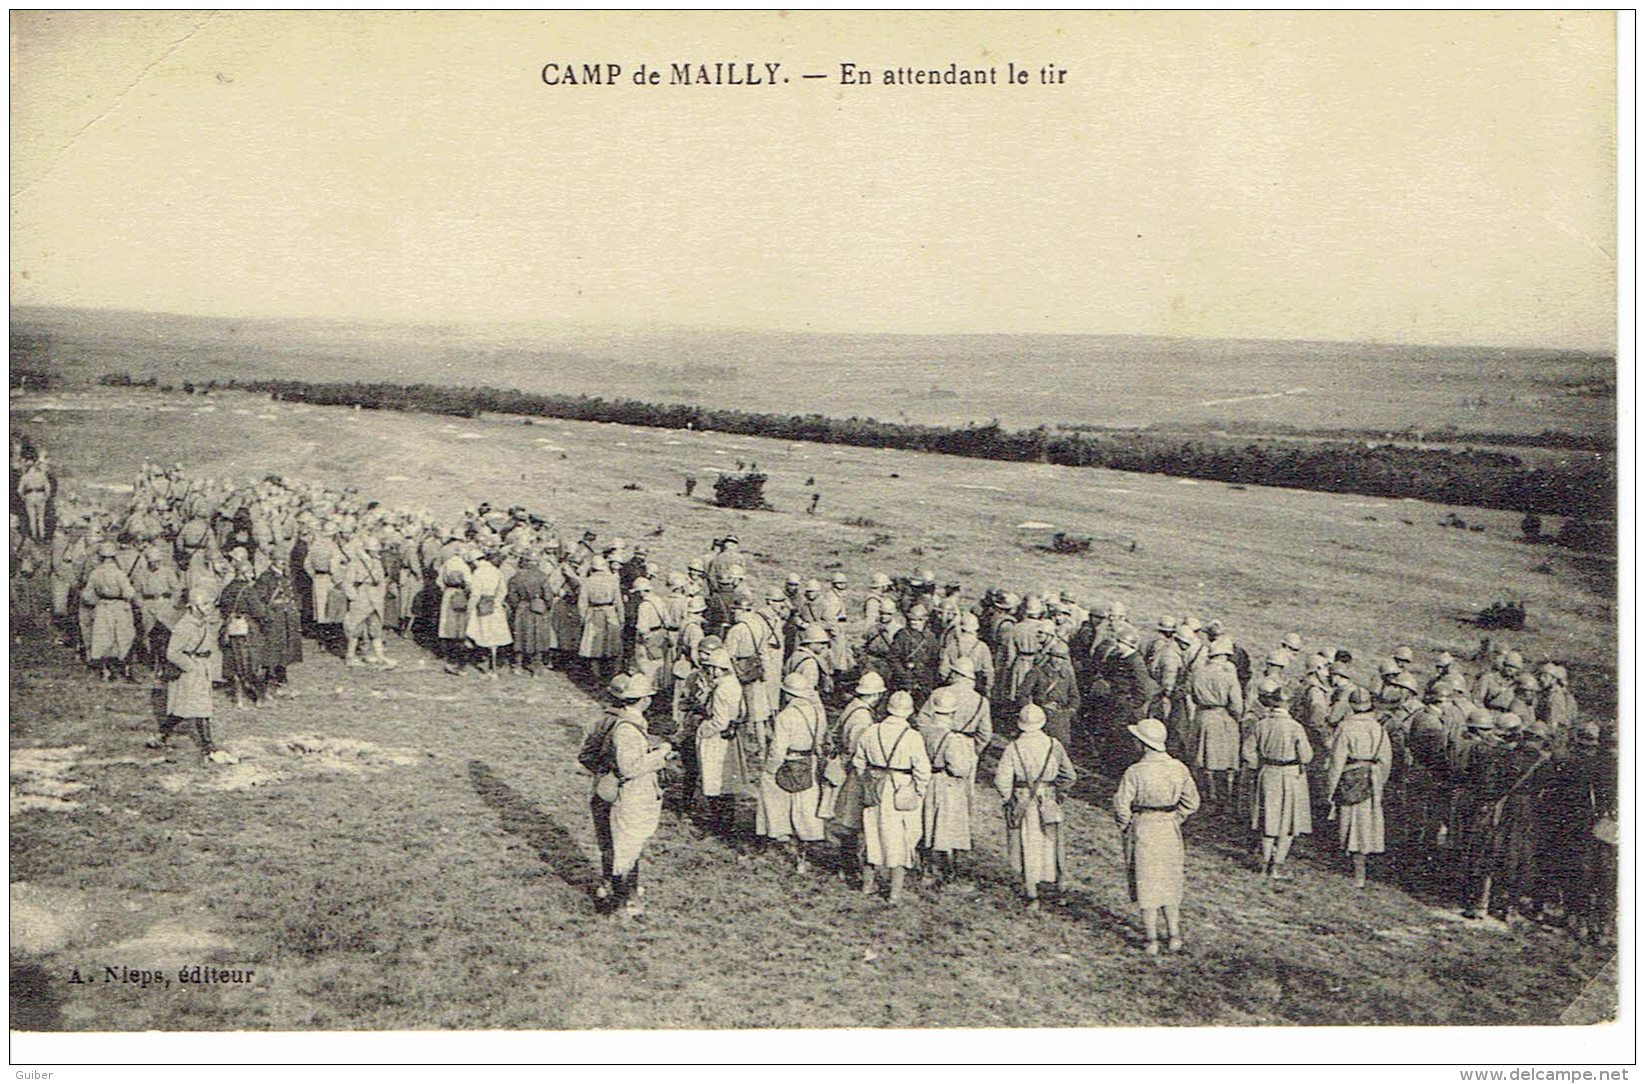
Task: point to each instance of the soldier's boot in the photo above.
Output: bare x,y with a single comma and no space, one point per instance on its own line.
168,726
1481,906
868,880
897,876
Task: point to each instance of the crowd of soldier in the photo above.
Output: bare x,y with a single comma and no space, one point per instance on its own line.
864,723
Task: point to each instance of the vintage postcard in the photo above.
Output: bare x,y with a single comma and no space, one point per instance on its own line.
727,523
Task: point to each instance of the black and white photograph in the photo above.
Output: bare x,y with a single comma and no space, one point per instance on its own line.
724,524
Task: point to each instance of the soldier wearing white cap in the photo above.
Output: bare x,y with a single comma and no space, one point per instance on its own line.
1154,797
1032,778
790,782
891,759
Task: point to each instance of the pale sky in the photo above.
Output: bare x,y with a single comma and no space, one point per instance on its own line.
1440,178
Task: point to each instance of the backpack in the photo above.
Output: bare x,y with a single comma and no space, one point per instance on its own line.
593,755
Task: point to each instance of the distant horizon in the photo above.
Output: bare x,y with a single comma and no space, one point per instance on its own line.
1257,176
577,327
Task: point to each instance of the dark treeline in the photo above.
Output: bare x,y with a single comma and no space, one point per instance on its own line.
1445,434
1584,487
30,361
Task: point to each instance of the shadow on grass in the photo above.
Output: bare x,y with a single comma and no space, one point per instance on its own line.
520,816
36,1004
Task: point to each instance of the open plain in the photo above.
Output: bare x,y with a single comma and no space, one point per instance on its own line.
409,849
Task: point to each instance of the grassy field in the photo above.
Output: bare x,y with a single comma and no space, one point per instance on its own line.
1023,380
411,850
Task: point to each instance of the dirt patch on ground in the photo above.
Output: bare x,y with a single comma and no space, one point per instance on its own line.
40,779
265,762
47,918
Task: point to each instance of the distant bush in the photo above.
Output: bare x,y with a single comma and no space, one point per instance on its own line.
126,380
1065,543
1581,533
1502,615
740,491
32,379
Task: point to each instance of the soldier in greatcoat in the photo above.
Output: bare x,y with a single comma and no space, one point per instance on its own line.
1051,684
947,810
1032,778
1214,705
192,646
109,594
890,758
635,805
600,606
1360,744
790,782
1154,797
1276,748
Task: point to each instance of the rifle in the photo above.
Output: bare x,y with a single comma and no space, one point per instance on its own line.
1496,809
